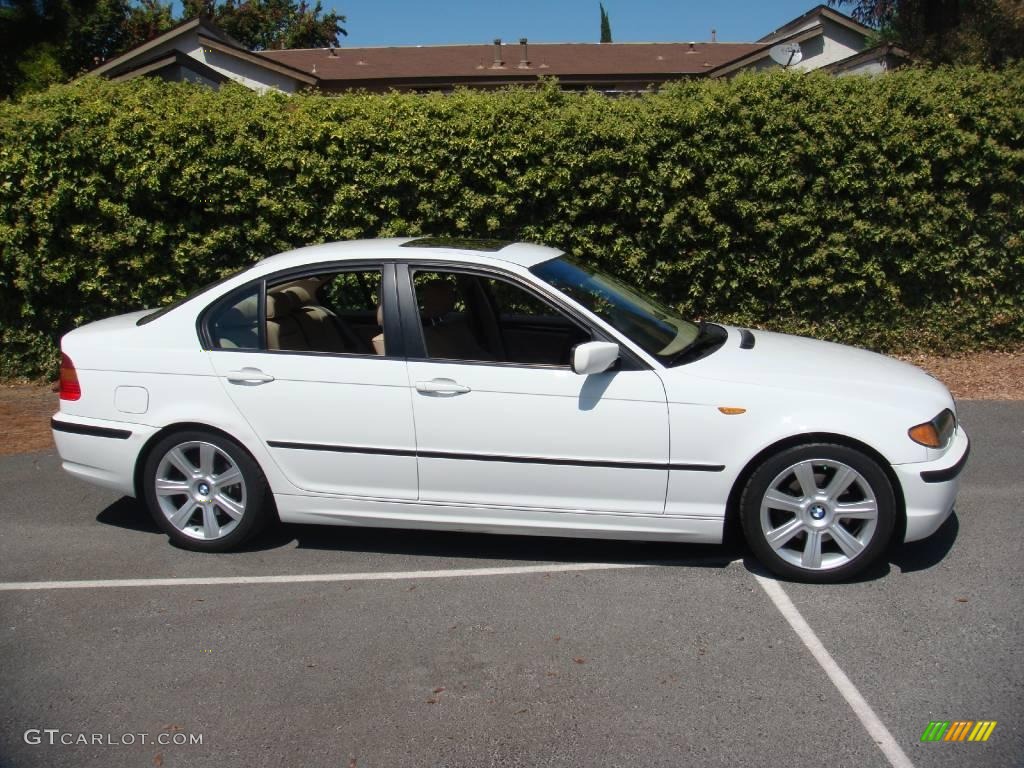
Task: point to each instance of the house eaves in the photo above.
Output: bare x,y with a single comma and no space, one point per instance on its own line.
877,52
818,12
174,57
260,61
179,30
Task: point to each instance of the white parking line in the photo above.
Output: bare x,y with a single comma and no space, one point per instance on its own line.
306,578
874,726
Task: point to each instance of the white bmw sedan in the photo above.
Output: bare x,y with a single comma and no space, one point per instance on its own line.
506,388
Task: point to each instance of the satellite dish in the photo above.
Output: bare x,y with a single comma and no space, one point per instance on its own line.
786,54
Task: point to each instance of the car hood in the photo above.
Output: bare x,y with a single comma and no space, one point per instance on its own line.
819,367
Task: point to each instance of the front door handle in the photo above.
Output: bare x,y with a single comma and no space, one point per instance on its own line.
249,376
441,387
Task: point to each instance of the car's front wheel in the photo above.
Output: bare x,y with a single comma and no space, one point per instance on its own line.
819,512
205,491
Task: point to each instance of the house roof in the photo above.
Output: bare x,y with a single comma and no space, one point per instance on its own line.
575,64
204,25
477,61
816,13
127,65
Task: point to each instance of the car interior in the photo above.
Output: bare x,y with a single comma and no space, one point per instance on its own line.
467,316
338,312
464,316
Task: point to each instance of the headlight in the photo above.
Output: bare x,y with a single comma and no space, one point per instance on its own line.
935,433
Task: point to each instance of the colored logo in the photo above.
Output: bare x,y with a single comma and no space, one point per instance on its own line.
958,730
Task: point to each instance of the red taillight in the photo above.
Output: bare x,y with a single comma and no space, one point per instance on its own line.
69,387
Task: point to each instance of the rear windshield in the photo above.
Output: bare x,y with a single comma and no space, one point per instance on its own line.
178,302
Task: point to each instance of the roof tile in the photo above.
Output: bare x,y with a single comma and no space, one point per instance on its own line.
477,61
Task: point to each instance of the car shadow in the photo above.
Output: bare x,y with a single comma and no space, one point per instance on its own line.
924,554
130,514
481,546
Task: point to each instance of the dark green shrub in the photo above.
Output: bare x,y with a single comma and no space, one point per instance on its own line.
885,212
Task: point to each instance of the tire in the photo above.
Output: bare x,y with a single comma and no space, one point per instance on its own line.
205,491
824,534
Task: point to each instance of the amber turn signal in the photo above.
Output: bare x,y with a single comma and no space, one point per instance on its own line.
925,434
731,411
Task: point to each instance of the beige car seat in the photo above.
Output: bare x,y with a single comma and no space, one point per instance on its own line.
445,331
296,322
378,340
283,329
321,326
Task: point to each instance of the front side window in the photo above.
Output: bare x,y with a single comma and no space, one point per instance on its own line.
338,312
472,317
658,330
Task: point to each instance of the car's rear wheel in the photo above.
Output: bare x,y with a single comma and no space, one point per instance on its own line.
205,491
820,512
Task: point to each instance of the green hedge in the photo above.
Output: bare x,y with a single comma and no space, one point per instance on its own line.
885,212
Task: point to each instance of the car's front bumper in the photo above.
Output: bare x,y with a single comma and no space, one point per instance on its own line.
100,451
930,488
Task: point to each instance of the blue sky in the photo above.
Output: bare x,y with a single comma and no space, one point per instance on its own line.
406,22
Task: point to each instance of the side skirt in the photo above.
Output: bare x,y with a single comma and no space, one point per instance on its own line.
324,510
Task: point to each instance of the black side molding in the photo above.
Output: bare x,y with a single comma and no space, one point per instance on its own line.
494,457
747,339
84,429
945,475
341,448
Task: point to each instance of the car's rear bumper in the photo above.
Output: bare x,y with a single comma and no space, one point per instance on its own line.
930,488
99,451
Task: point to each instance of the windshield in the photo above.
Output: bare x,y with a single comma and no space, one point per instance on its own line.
657,329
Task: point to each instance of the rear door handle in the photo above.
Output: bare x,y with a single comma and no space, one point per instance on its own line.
249,376
441,387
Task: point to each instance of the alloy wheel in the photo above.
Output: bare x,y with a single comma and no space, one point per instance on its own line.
819,514
200,490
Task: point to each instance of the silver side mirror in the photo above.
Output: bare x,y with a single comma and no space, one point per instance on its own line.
594,357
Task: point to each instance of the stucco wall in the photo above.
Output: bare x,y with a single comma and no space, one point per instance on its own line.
836,43
243,72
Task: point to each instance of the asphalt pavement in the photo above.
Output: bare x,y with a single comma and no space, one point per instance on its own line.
437,649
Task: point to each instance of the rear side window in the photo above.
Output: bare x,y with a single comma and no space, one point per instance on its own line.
235,324
334,312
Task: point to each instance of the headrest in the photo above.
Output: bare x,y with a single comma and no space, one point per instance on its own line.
438,298
281,305
380,315
301,293
247,310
